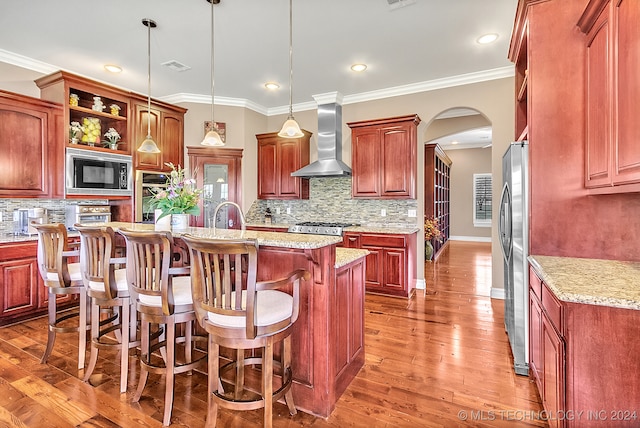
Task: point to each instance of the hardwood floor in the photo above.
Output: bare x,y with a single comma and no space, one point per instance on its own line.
439,359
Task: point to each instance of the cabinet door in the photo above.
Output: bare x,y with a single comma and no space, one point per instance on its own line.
374,267
351,240
627,141
394,270
535,340
398,168
288,162
26,136
19,282
144,116
365,162
553,383
598,108
172,138
267,171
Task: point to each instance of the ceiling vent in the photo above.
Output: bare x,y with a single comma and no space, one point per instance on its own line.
176,66
397,4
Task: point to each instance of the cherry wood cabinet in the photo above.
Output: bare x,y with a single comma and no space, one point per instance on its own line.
30,143
60,86
167,130
437,192
390,267
348,322
277,158
167,120
612,91
581,353
383,158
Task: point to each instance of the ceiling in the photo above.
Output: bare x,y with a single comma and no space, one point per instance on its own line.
422,45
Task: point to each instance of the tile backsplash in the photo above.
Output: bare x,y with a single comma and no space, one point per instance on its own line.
330,201
55,209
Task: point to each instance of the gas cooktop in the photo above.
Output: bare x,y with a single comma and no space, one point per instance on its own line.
320,228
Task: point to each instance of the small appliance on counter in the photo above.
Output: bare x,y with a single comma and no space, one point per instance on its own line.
23,217
87,214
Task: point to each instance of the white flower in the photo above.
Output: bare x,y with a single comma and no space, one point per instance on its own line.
112,135
74,129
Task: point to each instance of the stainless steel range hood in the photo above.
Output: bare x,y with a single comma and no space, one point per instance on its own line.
329,163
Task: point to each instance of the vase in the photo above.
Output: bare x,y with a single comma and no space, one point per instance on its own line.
428,251
163,223
179,221
74,140
113,146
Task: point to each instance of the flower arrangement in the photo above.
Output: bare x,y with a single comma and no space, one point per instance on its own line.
431,229
112,135
180,195
75,129
115,109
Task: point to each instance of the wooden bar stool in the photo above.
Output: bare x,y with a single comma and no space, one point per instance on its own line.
62,279
109,297
242,314
161,298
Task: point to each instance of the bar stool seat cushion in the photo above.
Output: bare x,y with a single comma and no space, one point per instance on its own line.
181,293
121,281
74,273
272,306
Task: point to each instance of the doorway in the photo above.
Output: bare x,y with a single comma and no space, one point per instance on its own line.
218,172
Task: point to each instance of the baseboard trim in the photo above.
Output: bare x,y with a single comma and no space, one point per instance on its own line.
421,284
497,293
470,238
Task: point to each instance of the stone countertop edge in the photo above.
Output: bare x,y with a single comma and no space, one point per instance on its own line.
344,256
591,281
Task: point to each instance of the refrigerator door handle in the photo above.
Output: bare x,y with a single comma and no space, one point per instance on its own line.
504,220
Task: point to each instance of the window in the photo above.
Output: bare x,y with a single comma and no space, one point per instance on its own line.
482,184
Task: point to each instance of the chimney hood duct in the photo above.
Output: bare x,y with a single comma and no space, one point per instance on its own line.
329,163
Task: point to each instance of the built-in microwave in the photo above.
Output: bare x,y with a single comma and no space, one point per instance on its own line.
98,173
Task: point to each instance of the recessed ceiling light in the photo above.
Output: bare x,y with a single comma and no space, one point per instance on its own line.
487,38
271,85
113,68
359,67
454,142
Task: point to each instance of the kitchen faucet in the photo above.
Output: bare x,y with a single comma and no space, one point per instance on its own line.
220,205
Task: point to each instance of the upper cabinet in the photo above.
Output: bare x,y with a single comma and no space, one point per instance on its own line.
30,135
612,90
98,107
277,158
383,158
167,130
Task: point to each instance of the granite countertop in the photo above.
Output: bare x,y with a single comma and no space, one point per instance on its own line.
374,228
344,256
592,281
273,239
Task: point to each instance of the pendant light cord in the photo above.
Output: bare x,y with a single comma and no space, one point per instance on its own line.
290,58
212,64
149,78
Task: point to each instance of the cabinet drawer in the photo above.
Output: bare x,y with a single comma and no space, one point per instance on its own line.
535,283
382,241
553,308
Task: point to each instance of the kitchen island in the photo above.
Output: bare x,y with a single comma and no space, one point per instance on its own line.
328,338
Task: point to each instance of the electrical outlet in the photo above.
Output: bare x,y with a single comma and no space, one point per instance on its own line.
412,213
288,210
0,216
278,210
383,212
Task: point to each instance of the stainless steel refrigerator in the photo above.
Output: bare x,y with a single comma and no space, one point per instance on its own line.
513,228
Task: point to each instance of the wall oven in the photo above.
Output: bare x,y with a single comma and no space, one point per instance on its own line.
146,182
98,173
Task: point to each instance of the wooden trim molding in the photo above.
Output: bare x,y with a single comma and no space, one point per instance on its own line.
590,14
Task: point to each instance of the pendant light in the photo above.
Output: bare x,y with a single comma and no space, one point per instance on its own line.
212,138
290,128
148,145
